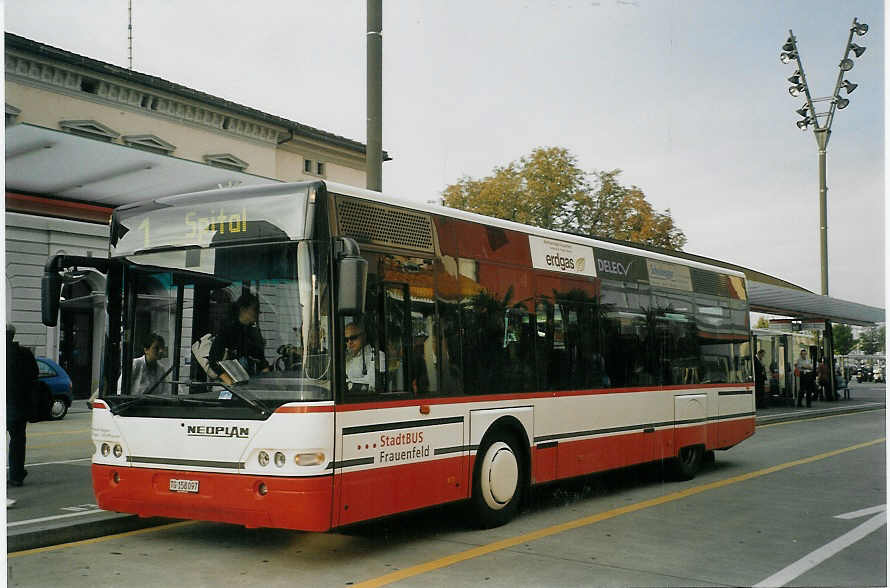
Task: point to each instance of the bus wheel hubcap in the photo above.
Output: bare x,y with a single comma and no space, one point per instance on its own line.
500,475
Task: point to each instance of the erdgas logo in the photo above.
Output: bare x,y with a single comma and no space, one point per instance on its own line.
217,431
561,262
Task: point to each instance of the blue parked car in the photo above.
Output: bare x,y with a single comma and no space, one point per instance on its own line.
54,377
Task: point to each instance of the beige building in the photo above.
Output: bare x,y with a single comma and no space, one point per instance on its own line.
83,136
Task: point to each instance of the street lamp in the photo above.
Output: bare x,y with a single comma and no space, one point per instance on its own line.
821,122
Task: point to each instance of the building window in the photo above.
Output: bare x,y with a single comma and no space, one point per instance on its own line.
307,166
226,160
12,113
89,128
149,143
319,168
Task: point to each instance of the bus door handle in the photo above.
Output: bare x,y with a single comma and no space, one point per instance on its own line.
424,409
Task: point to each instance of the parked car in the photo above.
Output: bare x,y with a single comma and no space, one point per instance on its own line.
54,377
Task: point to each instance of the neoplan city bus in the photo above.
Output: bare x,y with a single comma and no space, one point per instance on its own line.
494,356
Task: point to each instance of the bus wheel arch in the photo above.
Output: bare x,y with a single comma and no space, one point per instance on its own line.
500,473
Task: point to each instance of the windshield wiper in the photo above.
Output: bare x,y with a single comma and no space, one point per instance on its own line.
248,398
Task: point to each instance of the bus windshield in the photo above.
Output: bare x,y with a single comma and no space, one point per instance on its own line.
225,326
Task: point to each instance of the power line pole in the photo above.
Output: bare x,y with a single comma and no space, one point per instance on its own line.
130,33
374,148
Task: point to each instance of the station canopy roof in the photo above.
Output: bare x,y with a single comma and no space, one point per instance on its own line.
54,163
808,306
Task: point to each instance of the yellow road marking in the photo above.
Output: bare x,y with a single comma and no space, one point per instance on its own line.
583,522
98,539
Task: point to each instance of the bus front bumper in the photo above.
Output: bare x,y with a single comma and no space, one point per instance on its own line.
253,501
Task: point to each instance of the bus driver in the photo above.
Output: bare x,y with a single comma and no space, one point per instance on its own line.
360,360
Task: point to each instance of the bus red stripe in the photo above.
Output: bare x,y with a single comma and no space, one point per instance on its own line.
304,409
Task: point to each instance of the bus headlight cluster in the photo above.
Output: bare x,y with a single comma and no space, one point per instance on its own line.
106,448
279,458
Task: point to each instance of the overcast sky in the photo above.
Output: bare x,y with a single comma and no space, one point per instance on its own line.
687,97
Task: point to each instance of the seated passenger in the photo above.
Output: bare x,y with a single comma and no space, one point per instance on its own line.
361,373
148,369
240,339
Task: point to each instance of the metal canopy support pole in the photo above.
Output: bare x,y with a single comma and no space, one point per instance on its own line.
822,136
374,149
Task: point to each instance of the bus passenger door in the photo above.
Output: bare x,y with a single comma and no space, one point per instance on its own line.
398,451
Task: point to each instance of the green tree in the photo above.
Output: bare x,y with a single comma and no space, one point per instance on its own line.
842,339
762,323
872,340
548,189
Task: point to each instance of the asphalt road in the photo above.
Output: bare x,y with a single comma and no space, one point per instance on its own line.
766,510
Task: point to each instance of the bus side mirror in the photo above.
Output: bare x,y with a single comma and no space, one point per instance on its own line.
51,282
50,293
352,281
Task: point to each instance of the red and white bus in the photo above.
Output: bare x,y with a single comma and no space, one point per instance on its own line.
409,355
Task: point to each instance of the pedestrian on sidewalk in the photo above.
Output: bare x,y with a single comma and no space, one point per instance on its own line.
803,369
760,395
21,379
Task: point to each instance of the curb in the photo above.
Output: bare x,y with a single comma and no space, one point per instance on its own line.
804,414
49,535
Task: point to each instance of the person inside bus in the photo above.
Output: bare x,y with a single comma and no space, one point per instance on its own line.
420,380
240,339
148,369
361,373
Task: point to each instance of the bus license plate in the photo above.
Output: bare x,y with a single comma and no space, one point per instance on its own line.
184,486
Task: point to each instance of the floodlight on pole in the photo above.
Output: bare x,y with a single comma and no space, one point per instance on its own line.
857,50
822,126
822,132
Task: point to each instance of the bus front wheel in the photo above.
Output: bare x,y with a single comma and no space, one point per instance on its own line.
499,481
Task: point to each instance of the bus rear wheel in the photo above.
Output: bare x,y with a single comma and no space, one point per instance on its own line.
688,462
498,481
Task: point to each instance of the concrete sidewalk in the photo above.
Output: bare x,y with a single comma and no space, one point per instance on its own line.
54,529
865,396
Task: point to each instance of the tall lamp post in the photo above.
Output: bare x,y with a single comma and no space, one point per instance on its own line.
821,122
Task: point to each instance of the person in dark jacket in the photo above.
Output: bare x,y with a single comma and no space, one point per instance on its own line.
760,395
21,379
240,339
